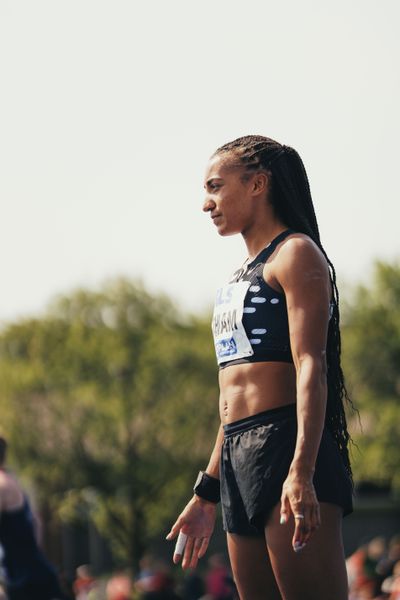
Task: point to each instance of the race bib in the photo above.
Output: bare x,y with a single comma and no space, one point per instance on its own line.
230,338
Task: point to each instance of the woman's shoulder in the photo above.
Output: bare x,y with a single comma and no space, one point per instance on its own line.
301,247
300,256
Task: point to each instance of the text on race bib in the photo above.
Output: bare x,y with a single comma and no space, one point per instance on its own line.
230,339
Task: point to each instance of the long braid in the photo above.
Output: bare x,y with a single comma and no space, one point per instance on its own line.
292,202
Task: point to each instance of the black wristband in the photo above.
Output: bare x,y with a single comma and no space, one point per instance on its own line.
207,487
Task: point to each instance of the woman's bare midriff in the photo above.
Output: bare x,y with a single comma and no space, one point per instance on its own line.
250,388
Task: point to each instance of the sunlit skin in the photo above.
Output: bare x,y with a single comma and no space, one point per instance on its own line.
239,206
238,203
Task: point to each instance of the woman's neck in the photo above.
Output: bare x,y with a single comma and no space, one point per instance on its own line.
256,240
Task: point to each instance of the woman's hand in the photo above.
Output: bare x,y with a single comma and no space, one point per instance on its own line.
196,521
299,498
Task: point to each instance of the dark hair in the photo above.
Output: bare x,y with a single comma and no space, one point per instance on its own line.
3,450
291,199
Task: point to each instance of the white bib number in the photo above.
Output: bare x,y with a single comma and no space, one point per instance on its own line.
230,339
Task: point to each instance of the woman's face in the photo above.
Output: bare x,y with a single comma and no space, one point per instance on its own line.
228,197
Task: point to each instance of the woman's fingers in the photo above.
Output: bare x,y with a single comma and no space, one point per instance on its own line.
285,509
194,526
195,555
301,527
187,554
307,520
314,520
300,500
204,546
179,547
190,550
175,529
317,515
301,521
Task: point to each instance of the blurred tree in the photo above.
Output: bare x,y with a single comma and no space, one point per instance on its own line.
110,405
109,402
371,344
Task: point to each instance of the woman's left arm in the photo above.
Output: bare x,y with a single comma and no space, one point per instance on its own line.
304,276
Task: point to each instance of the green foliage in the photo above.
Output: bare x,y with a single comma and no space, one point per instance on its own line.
110,406
109,402
371,343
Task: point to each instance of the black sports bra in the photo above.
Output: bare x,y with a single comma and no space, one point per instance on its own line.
261,332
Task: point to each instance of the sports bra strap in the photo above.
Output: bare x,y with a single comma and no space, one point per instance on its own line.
266,253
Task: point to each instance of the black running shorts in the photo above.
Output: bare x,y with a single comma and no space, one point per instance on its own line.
255,460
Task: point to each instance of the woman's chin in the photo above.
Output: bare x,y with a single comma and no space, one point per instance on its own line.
224,232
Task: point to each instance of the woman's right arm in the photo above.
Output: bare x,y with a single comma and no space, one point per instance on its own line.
213,465
198,517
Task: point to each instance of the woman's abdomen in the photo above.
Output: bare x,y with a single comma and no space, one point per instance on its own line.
247,389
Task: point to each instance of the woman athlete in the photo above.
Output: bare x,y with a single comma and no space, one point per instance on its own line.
280,461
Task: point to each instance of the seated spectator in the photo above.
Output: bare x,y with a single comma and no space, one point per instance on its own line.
119,587
219,582
391,585
84,583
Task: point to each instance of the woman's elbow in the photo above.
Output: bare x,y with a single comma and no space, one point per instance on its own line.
312,364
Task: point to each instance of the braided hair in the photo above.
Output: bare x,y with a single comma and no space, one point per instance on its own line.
290,197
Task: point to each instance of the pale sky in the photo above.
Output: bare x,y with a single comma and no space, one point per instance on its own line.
109,110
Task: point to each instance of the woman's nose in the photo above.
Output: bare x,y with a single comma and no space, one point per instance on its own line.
208,205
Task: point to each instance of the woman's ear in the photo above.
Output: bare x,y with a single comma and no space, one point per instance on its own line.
260,183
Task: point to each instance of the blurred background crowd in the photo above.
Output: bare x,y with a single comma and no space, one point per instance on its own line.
373,571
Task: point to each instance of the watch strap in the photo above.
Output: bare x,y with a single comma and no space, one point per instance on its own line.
207,487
